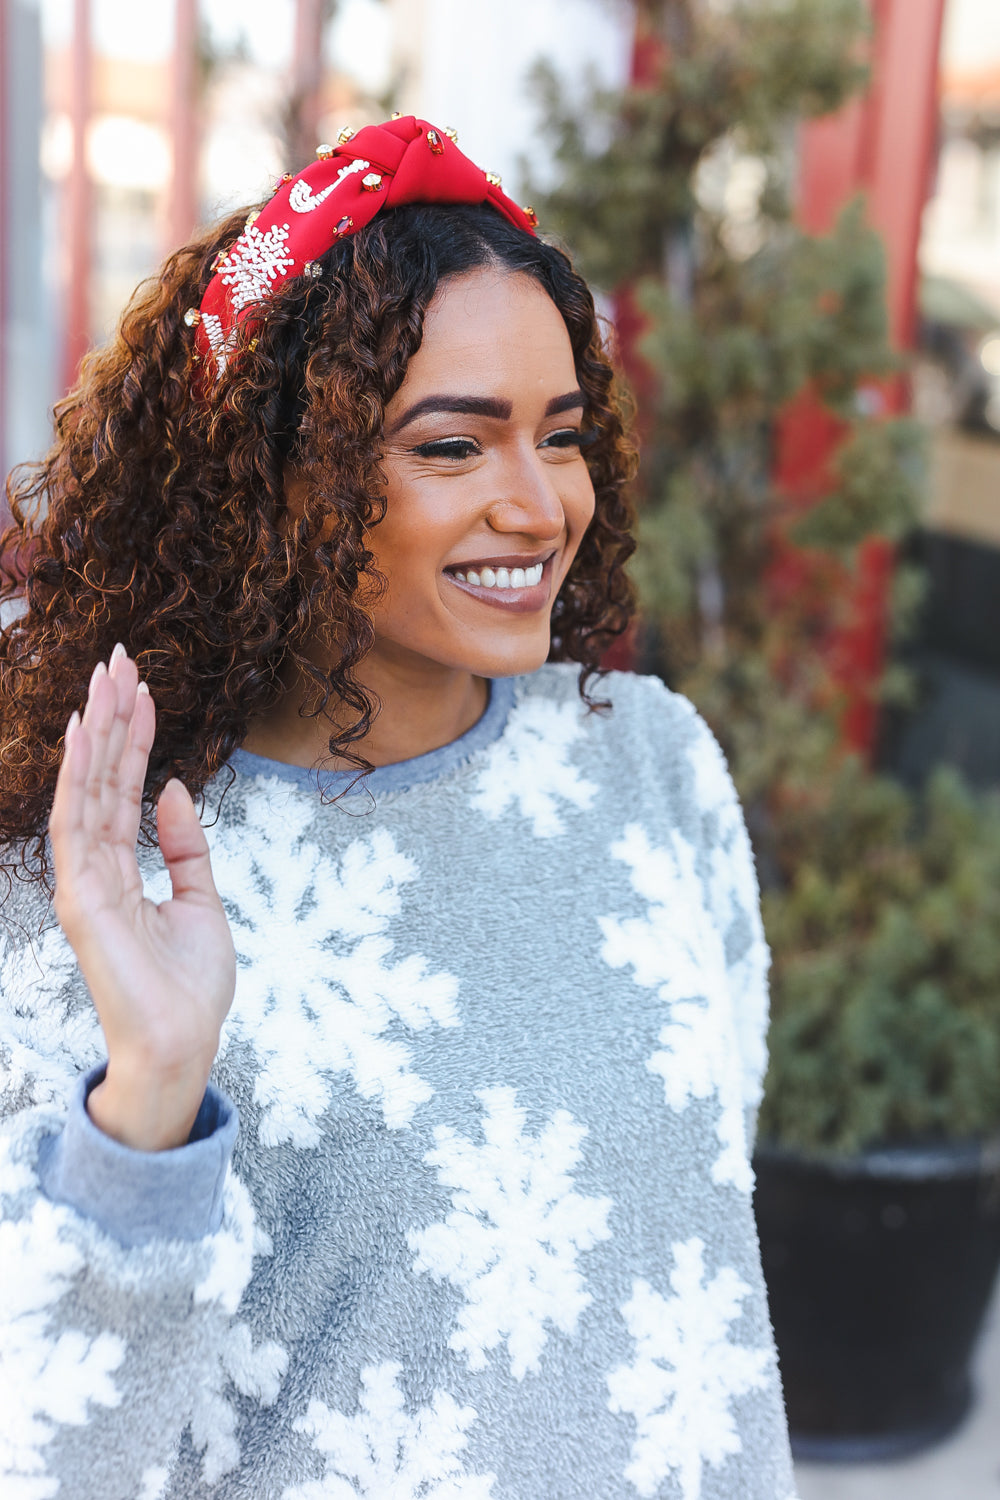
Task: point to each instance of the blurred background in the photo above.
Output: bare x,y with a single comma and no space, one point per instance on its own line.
790,210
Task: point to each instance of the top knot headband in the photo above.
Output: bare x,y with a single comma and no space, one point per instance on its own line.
406,160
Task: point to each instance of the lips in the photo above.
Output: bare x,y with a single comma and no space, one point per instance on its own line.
520,584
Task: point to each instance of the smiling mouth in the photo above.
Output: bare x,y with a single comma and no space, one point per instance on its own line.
506,583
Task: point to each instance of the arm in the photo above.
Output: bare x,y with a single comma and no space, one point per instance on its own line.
733,898
110,1350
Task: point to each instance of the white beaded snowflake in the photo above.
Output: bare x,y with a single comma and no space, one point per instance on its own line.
254,262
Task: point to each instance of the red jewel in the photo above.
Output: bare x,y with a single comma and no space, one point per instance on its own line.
435,142
530,215
344,225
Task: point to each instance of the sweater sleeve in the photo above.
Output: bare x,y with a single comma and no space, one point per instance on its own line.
119,1320
733,899
138,1196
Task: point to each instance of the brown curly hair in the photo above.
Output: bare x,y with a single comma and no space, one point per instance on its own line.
156,518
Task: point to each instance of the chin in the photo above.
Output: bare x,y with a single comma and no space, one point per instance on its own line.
513,659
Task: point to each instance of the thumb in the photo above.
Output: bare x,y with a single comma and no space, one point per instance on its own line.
183,845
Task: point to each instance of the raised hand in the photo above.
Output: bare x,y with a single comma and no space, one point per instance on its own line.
161,976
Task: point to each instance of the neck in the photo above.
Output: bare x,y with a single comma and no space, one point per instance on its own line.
423,706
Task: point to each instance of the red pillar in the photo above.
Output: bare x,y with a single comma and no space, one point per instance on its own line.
79,205
881,145
183,207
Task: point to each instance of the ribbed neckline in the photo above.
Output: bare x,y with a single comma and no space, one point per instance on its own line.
401,774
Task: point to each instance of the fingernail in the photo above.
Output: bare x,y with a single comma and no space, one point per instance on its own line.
72,727
143,688
117,653
98,671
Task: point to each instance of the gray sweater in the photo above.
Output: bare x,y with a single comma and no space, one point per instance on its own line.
466,1212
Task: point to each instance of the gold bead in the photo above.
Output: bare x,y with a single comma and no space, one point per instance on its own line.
192,317
435,142
452,134
530,215
324,152
493,178
251,221
344,135
253,344
371,182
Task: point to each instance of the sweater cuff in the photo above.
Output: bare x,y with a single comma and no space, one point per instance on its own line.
138,1196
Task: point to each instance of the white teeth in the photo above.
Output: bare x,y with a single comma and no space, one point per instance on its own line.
502,578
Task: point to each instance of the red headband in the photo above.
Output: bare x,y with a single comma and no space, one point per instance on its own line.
406,160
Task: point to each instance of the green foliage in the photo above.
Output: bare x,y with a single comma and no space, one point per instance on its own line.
881,910
886,942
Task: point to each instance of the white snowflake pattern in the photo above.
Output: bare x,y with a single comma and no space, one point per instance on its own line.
255,261
734,896
383,1453
517,1227
221,345
686,1373
45,1378
326,1010
676,950
47,1037
529,767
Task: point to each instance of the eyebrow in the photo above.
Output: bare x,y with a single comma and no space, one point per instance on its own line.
483,406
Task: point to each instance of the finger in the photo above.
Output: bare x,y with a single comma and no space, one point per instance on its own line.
66,823
184,846
98,716
132,769
125,676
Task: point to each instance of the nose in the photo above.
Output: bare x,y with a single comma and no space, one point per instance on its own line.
527,500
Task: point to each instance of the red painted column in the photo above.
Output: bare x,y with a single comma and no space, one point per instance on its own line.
881,145
183,209
79,201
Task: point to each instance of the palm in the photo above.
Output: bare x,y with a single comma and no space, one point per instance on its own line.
161,976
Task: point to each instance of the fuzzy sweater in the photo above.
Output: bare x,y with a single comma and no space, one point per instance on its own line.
466,1212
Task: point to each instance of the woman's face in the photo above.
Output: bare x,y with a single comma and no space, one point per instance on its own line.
488,495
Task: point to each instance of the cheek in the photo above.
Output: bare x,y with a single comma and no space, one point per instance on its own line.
580,506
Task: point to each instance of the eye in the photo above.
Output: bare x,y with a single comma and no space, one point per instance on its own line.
456,449
567,437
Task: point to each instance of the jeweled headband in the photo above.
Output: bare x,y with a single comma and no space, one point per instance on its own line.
405,160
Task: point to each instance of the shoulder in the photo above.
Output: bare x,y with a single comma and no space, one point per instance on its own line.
644,721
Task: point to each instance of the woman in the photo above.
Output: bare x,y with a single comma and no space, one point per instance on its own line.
452,1199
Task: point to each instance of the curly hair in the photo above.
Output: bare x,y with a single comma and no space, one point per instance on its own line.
158,517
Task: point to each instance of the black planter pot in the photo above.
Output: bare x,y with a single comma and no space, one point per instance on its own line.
879,1269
